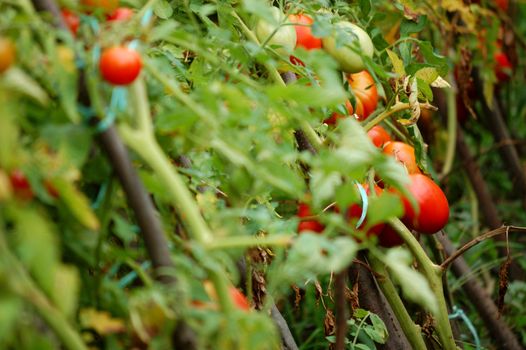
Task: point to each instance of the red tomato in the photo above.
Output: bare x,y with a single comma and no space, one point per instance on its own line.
503,66
239,299
106,5
121,14
364,89
403,153
20,184
308,225
433,206
354,213
304,37
379,136
120,65
72,20
333,119
502,4
7,54
389,238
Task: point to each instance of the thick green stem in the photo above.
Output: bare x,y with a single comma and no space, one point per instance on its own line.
451,132
21,284
410,329
433,273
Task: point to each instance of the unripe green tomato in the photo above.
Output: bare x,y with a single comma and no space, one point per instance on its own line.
285,36
349,60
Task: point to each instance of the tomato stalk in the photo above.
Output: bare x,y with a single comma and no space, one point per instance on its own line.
22,285
411,330
433,274
249,241
451,131
397,107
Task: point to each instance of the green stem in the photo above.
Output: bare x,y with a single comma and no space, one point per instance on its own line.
411,330
249,241
451,132
433,273
21,284
397,107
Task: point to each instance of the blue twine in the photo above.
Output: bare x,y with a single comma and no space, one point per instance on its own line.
100,195
365,204
118,103
133,44
131,276
457,312
146,17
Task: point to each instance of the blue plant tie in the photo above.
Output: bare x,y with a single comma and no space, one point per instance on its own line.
365,204
146,17
133,44
118,103
457,312
131,276
86,112
100,196
91,21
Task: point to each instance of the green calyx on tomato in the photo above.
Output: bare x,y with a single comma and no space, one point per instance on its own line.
275,33
347,49
120,65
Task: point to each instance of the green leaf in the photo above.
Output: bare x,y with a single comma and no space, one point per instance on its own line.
414,286
384,207
10,309
308,95
163,9
17,80
66,288
77,203
427,74
398,64
323,185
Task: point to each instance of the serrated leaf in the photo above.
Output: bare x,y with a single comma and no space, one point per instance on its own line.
77,203
163,9
17,80
414,286
398,64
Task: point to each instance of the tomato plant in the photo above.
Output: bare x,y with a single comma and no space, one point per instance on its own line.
403,153
7,53
356,40
120,65
304,37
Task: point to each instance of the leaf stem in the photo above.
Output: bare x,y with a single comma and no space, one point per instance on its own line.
397,107
250,241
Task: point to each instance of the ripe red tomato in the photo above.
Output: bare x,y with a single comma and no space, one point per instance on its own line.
120,65
239,299
403,153
20,184
502,4
433,207
304,37
7,54
364,89
72,20
379,136
389,238
106,5
503,66
354,213
308,225
121,14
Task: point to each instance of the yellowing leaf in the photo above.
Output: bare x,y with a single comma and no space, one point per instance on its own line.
101,322
440,83
398,64
427,74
